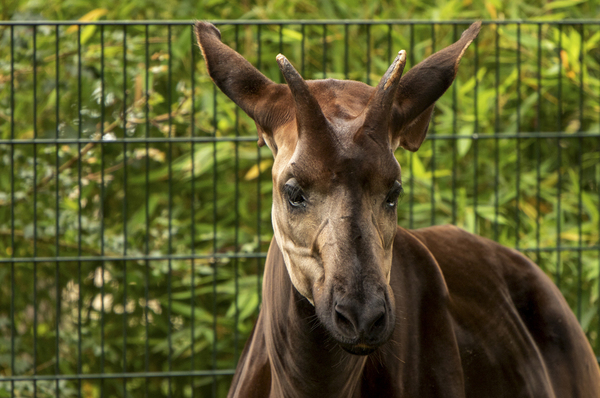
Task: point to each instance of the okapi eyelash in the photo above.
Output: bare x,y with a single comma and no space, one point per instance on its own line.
295,195
292,190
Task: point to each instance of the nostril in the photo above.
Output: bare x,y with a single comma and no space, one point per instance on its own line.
374,320
343,318
379,322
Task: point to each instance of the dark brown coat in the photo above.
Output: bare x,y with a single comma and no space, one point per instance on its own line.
476,320
354,306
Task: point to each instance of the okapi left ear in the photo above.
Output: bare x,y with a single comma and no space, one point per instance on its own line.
266,102
420,87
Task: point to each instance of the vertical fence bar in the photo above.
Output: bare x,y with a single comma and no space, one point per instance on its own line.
411,201
454,133
433,141
57,209
346,50
496,130
389,43
476,137
598,226
13,329
302,46
559,160
324,51
147,206
102,210
214,241
368,54
258,189
124,209
193,208
35,231
170,209
518,182
580,190
236,242
538,148
280,48
79,210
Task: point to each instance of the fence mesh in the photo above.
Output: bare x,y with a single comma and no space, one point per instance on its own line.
134,201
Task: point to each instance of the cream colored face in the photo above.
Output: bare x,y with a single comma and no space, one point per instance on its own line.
335,220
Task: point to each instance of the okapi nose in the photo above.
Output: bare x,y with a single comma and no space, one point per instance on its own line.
357,320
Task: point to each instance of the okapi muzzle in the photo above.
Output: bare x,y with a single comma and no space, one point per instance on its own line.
336,181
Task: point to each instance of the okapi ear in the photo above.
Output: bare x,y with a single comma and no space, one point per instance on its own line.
421,86
263,100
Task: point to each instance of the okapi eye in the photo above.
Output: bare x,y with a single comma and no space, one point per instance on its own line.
391,201
294,194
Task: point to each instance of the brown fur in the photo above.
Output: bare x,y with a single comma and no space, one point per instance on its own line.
354,306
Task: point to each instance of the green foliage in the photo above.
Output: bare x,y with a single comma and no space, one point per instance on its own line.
193,212
431,10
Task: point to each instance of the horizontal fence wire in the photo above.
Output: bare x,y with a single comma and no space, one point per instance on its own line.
475,136
272,22
135,203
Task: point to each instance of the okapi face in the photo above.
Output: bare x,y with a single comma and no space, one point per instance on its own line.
336,181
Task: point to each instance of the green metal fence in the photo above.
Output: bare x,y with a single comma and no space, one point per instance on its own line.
134,202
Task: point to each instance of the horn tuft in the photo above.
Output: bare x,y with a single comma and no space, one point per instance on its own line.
378,110
398,65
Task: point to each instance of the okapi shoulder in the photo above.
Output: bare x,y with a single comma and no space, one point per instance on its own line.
457,250
508,313
476,269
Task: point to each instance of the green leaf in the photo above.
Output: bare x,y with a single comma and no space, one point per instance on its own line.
555,5
88,31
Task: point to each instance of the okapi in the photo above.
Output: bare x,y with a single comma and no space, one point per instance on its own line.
355,306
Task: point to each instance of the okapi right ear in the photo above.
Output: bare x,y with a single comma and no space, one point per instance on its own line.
262,99
421,87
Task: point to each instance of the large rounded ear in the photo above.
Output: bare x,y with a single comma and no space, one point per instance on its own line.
421,86
266,102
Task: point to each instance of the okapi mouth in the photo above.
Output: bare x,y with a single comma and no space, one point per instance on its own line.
358,349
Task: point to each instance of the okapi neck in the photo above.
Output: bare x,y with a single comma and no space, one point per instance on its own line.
304,360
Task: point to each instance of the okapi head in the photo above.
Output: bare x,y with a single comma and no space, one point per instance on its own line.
336,181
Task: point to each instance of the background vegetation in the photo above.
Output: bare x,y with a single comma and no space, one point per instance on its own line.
190,213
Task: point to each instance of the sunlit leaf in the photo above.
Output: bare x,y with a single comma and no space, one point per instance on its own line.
91,16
